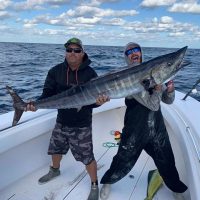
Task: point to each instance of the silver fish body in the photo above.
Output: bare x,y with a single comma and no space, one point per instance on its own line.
119,84
129,81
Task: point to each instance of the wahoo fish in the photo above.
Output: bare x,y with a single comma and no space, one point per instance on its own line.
128,81
155,181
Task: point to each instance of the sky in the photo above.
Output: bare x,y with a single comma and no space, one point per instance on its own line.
151,23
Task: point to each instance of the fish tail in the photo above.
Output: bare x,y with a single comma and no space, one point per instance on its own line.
155,181
17,103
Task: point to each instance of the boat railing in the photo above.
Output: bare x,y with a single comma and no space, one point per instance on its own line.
192,89
26,119
189,131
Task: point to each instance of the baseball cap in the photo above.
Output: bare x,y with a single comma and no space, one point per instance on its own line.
74,41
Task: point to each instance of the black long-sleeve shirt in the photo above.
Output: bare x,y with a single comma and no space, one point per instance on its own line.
61,78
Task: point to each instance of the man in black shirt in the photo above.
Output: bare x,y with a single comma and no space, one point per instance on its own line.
73,129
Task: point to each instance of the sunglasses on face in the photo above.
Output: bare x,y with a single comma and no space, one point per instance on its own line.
75,50
133,50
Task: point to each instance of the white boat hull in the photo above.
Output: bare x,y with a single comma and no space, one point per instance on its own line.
24,159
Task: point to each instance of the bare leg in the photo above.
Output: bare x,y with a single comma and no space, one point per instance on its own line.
92,171
56,158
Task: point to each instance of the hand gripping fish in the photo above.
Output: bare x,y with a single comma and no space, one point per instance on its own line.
128,81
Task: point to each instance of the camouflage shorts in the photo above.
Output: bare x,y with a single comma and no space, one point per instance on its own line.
78,140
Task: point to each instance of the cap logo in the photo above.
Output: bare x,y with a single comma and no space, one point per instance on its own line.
74,40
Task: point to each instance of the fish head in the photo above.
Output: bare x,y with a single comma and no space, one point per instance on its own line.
166,66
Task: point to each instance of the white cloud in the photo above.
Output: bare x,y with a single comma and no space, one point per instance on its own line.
62,20
4,15
84,16
61,32
166,20
163,25
82,20
28,5
177,34
98,22
197,34
4,4
29,25
6,29
90,11
3,27
114,22
52,32
98,2
156,3
37,4
185,8
57,2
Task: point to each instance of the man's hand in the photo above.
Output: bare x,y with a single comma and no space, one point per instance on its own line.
170,86
30,107
102,99
158,87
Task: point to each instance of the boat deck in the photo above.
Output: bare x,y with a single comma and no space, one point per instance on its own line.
74,182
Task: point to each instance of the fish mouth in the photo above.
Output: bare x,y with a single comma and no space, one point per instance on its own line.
185,63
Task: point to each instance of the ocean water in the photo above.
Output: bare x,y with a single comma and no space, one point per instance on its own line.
24,66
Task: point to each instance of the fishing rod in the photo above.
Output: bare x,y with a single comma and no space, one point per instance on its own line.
193,87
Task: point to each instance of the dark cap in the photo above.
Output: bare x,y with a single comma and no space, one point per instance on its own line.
74,41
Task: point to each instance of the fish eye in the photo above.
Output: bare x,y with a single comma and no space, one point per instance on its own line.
169,64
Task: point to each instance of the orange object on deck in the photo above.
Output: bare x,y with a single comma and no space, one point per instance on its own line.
117,135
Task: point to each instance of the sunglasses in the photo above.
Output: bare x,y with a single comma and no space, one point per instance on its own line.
133,50
75,50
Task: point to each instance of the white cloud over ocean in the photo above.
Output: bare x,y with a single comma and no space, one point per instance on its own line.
166,23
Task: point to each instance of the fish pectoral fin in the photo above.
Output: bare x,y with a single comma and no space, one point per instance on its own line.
146,84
